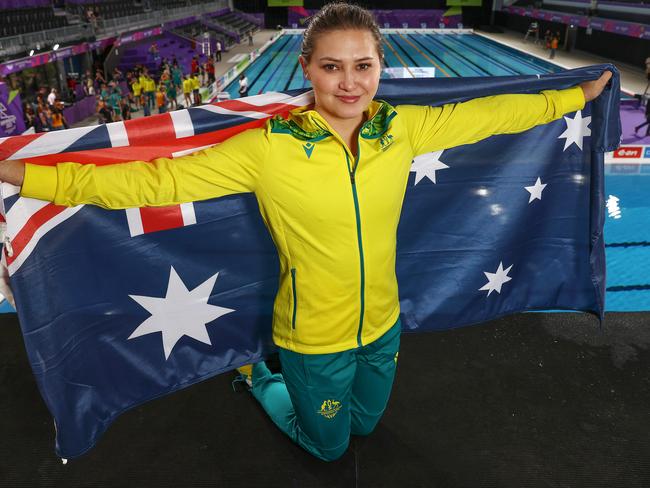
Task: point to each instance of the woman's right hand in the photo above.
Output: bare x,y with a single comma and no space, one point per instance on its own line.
12,172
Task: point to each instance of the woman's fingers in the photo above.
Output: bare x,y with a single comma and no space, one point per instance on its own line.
594,88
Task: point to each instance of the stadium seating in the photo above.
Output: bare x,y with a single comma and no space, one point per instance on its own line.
21,21
235,22
605,10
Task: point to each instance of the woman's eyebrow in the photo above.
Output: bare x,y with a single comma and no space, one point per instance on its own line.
328,58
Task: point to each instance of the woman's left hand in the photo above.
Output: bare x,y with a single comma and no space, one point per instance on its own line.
593,88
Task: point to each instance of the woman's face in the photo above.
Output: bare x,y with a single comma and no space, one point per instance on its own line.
344,71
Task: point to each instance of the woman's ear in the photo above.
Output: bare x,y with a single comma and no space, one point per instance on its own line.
303,64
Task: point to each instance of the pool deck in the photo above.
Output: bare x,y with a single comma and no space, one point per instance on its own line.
633,78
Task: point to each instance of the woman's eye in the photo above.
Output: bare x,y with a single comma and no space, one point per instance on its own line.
330,67
364,66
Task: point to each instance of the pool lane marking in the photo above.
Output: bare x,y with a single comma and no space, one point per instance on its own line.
423,54
399,57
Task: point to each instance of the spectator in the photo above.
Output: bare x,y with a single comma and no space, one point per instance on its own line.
125,108
153,52
209,67
250,38
114,100
555,41
58,121
161,99
243,85
42,123
217,50
171,94
547,39
194,67
117,74
51,98
105,115
177,76
150,91
30,116
187,90
137,91
196,87
99,78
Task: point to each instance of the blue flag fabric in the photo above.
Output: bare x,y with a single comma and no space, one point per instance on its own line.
508,224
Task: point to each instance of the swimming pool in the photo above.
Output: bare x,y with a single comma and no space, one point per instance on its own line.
451,54
627,237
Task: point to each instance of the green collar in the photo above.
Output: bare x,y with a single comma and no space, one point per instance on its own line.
307,124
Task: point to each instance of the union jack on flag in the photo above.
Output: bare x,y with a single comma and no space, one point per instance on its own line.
120,307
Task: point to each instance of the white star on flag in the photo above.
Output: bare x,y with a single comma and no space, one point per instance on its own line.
427,165
495,280
535,190
180,313
576,130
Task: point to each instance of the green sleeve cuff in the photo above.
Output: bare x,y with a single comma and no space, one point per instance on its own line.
40,182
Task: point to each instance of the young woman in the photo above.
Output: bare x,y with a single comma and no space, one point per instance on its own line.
330,181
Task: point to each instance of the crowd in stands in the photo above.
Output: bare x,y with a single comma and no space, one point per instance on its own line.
120,94
45,113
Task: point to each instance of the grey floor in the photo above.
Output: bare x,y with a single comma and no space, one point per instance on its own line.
531,400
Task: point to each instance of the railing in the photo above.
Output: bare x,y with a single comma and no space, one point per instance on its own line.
218,26
249,18
20,43
114,27
10,46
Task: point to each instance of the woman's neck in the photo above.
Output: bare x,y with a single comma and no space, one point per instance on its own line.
348,130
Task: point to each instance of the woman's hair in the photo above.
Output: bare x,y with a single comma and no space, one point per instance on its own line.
339,16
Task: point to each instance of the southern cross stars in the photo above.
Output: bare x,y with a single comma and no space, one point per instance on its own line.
180,313
535,190
426,165
576,130
496,280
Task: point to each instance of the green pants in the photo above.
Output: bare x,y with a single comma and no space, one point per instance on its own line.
320,399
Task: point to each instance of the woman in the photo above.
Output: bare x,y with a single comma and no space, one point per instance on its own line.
329,180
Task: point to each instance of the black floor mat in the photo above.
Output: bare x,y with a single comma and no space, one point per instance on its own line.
531,400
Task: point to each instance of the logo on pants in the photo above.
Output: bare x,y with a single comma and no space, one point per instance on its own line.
330,408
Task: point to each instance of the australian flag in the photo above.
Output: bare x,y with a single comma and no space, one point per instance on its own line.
120,307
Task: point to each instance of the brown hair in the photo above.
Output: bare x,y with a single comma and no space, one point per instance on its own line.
339,16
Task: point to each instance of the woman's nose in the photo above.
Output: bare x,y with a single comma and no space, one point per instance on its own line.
348,80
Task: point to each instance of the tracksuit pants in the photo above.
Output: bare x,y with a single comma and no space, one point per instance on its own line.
320,399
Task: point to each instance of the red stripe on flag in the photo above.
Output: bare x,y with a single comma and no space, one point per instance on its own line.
161,218
14,144
150,130
269,108
27,232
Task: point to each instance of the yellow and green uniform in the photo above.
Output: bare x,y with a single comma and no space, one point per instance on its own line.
137,88
187,86
333,217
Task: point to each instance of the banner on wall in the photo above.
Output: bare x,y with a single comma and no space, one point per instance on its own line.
285,3
464,3
11,112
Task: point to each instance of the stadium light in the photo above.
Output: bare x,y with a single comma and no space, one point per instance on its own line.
31,53
56,46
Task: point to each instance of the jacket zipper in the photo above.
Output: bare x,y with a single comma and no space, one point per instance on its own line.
295,297
352,172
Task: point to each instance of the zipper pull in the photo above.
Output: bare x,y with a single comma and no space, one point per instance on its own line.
352,177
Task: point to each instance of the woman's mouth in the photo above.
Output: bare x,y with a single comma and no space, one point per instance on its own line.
348,99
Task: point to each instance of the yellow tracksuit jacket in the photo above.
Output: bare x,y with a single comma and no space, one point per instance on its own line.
333,217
